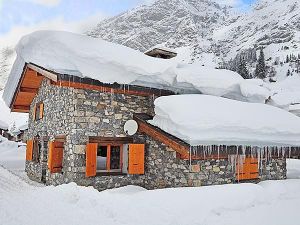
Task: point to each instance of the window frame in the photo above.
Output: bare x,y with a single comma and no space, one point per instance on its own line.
37,111
36,151
108,158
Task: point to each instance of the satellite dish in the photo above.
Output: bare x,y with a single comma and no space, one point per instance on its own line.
130,127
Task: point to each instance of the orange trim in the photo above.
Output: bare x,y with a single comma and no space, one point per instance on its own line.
100,88
147,129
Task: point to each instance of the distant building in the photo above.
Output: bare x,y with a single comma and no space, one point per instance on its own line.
161,52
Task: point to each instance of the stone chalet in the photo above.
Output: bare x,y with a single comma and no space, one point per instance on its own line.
76,134
81,91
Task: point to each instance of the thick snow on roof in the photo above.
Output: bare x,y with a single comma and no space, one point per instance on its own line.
83,56
203,119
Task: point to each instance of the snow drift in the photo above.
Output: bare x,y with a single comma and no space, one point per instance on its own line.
203,119
83,56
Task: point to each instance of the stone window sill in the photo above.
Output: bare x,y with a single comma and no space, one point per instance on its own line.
110,174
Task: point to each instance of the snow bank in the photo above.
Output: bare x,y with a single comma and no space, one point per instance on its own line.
286,92
203,119
215,205
12,156
84,56
293,168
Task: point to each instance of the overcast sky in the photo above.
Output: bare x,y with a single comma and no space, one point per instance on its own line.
19,17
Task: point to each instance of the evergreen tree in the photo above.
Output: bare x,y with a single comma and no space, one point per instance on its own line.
242,69
287,59
288,73
261,70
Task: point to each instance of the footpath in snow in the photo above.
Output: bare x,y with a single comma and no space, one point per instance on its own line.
268,203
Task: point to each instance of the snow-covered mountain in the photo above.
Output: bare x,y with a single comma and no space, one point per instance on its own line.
210,33
204,31
173,23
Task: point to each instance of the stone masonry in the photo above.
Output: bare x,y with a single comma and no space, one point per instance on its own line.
78,114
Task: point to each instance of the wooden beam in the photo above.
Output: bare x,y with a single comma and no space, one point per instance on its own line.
100,88
111,140
21,108
28,89
50,75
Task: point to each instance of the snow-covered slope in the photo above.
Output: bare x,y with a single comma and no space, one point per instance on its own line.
272,23
207,32
175,23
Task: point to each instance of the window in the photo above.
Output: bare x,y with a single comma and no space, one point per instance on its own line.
38,112
114,159
36,151
109,158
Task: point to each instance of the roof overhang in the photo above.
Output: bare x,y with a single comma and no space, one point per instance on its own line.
28,86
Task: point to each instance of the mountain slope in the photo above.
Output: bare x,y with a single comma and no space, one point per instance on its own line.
174,23
212,34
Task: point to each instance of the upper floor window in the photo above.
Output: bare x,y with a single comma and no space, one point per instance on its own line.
38,112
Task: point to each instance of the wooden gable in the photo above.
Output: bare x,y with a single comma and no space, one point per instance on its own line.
28,87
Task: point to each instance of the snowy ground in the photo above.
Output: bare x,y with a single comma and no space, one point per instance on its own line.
268,203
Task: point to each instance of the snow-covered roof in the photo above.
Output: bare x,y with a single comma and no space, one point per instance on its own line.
203,119
83,56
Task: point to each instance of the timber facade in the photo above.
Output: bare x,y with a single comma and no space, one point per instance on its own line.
76,134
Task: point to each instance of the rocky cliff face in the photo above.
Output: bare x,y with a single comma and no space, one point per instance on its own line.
210,32
173,23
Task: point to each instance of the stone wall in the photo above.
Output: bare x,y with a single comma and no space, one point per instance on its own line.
78,114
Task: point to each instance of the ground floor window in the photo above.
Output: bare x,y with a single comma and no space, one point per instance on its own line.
109,158
36,151
112,159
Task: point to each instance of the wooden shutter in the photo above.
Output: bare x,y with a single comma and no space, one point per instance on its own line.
55,156
136,159
91,159
34,112
247,170
29,150
41,110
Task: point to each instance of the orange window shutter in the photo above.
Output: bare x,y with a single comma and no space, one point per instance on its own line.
41,110
57,157
136,159
91,159
29,150
247,170
50,155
